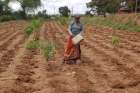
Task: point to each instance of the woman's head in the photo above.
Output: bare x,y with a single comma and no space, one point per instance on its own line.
77,18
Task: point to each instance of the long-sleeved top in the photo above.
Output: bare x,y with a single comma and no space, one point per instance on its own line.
75,28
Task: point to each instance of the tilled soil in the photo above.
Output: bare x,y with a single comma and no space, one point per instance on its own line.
104,68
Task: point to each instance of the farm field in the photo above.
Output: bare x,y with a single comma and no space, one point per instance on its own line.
105,68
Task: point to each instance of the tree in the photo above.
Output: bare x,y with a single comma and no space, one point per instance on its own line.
133,5
4,9
1,7
64,11
100,4
103,6
29,5
43,14
113,6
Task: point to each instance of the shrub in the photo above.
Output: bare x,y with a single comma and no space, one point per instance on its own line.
4,18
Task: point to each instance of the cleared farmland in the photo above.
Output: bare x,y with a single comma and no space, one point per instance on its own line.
105,68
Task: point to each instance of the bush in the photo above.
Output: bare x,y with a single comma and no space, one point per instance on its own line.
4,18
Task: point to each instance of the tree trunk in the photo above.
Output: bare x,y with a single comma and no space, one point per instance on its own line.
136,6
0,10
24,12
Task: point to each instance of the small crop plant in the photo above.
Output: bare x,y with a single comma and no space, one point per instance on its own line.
29,30
115,40
33,45
48,49
35,24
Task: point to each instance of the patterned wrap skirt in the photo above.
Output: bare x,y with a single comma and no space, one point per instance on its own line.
72,52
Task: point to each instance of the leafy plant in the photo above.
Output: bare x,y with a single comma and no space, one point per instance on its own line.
29,30
115,40
33,45
64,11
35,24
48,49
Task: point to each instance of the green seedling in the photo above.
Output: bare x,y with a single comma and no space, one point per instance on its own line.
29,30
35,24
33,45
115,40
48,49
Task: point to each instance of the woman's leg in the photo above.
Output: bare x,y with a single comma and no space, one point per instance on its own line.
78,47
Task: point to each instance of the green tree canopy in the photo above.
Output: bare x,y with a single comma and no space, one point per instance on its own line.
64,11
132,4
1,7
4,9
29,5
103,6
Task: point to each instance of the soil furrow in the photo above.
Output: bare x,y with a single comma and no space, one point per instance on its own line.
5,43
8,55
109,31
3,32
120,51
107,34
105,72
4,36
123,45
24,64
7,77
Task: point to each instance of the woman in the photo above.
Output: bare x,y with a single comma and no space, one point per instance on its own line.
73,52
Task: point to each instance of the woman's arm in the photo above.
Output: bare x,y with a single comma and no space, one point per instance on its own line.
69,29
82,29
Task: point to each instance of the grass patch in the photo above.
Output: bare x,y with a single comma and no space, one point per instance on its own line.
112,22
